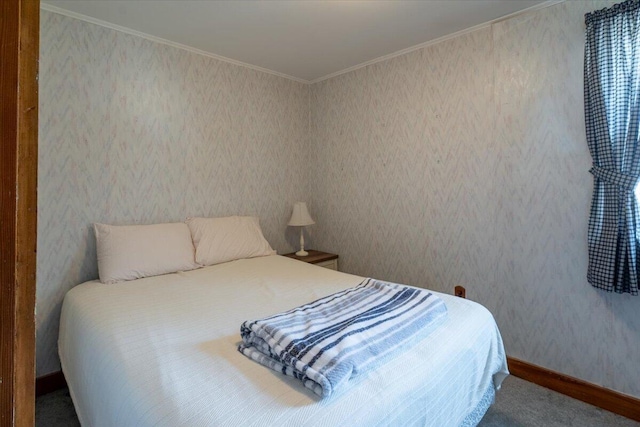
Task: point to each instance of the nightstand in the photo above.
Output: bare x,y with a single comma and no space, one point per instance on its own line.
322,259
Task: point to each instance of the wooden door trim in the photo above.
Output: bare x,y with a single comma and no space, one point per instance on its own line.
19,46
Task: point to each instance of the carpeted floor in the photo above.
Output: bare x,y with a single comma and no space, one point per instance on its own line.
518,404
521,403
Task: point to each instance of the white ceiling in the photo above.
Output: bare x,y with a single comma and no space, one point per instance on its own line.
304,40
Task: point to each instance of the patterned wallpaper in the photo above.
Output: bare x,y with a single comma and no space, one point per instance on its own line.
133,131
466,163
461,163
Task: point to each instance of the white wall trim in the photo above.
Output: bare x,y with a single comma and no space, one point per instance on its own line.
436,41
149,37
119,28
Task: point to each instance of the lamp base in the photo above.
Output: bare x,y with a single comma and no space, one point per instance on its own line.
302,253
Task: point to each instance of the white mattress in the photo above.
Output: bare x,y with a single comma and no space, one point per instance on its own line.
162,351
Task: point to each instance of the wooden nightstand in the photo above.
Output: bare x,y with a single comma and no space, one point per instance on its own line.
322,259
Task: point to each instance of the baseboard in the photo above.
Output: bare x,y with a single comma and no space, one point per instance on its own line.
604,398
50,382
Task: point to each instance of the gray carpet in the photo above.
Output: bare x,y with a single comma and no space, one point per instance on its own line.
521,403
518,404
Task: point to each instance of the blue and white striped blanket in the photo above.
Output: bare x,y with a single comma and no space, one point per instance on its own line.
329,341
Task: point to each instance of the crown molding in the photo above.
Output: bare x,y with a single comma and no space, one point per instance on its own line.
70,14
125,30
436,41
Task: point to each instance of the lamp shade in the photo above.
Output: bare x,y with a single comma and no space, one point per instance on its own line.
300,216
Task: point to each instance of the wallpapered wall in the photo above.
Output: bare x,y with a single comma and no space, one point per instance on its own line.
466,163
461,163
133,131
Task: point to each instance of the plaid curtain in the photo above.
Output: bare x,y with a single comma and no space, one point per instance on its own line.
612,113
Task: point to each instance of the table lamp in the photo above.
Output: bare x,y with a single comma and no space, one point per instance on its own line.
301,218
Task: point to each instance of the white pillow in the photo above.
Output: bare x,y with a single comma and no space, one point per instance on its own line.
128,252
225,239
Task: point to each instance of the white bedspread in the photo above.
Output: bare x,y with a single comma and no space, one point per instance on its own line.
162,351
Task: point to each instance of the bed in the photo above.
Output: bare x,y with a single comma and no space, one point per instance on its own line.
162,351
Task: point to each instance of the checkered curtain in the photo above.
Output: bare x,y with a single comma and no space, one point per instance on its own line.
612,114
